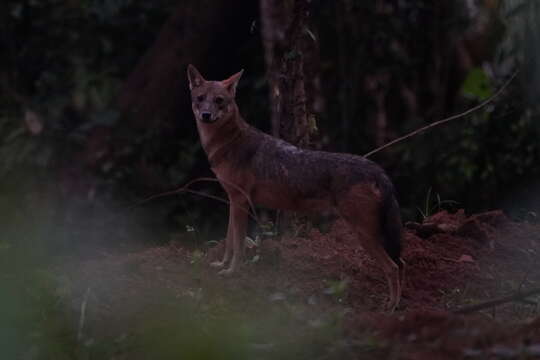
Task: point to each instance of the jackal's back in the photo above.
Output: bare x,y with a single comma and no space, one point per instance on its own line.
310,173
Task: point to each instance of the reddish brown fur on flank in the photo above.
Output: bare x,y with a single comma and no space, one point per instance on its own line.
278,175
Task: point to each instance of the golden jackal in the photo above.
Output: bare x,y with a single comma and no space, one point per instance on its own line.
278,175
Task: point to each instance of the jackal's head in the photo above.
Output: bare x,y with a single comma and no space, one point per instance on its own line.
212,101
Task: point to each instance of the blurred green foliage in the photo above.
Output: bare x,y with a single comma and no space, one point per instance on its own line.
477,85
57,306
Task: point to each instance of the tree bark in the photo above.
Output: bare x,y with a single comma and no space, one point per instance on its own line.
291,53
284,35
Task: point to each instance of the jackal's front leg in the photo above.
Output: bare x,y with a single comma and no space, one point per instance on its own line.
238,217
228,244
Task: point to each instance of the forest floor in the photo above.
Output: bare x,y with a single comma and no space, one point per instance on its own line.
315,295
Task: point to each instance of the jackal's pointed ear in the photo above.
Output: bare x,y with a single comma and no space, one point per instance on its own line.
231,82
194,76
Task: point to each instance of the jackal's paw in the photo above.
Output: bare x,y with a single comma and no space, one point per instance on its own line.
217,264
227,272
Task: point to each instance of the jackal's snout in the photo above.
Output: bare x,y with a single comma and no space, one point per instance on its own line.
207,117
207,109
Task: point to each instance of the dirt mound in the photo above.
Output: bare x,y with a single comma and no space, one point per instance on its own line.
443,253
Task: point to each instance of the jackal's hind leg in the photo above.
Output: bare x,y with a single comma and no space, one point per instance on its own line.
360,207
391,270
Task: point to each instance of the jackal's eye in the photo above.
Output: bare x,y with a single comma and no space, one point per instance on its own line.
219,100
200,98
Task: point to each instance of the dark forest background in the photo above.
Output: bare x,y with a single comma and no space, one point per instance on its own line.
95,112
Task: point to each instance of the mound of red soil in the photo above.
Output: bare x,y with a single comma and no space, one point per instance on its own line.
442,254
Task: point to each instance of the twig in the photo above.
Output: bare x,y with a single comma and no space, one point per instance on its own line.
185,188
443,121
82,318
518,296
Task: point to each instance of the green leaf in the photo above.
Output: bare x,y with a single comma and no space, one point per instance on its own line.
477,85
291,55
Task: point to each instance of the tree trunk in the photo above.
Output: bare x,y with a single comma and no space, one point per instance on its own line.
294,100
285,36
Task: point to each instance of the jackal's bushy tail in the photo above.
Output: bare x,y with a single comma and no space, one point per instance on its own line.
391,226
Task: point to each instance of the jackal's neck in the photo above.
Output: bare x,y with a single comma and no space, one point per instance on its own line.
216,139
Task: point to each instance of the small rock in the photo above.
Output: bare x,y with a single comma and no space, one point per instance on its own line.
278,296
465,259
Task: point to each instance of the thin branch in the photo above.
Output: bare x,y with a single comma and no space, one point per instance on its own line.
518,296
185,188
443,121
82,317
